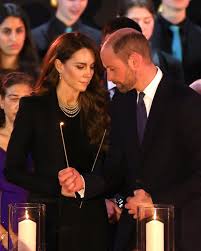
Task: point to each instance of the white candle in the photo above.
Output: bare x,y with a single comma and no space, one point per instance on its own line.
27,234
154,235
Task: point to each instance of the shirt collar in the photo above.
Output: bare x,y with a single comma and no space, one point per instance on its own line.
110,85
62,27
150,90
167,24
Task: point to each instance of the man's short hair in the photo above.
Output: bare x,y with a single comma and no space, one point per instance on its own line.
126,41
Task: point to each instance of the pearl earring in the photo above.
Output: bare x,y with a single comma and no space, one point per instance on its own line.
60,76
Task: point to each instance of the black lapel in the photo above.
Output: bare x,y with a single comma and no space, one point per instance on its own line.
54,129
130,114
158,110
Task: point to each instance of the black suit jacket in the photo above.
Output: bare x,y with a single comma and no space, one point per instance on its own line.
167,164
37,132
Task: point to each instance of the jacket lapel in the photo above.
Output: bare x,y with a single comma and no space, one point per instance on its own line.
54,129
158,110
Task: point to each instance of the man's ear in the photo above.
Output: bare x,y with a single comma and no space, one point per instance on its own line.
134,60
58,65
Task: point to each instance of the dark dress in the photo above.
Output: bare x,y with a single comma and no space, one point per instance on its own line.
37,131
81,155
9,193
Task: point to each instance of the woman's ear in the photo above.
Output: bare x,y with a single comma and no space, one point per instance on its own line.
58,65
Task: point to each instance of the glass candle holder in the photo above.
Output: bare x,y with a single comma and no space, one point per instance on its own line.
26,227
155,228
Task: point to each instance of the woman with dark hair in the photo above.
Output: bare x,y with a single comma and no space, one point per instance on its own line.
17,51
13,86
69,94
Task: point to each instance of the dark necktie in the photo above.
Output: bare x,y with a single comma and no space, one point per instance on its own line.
141,116
176,42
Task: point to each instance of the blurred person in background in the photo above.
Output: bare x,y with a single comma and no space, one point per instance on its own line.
175,34
66,19
142,12
13,87
17,51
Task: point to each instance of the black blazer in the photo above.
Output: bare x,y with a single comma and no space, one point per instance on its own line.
37,132
167,164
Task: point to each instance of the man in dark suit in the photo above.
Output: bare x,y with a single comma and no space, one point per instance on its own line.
160,164
66,19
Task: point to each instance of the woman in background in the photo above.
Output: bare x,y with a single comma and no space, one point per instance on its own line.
13,87
17,51
69,92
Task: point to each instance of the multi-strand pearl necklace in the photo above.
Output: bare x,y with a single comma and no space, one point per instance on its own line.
70,111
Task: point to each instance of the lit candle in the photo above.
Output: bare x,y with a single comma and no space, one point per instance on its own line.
155,235
27,234
64,145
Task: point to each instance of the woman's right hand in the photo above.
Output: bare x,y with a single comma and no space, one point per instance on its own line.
71,181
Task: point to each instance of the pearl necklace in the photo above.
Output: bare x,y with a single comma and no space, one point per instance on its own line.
70,111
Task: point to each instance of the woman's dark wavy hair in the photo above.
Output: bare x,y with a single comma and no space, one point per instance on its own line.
28,58
94,100
8,80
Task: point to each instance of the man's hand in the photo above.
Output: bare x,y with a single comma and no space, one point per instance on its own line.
140,198
113,211
71,181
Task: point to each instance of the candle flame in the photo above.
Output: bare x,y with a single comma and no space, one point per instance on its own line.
26,214
61,123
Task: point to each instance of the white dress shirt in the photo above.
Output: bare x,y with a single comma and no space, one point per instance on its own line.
111,88
150,90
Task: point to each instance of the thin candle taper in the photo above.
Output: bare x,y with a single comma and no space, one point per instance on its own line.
64,145
101,143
